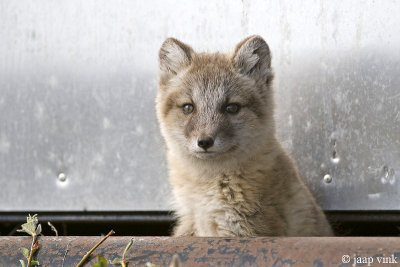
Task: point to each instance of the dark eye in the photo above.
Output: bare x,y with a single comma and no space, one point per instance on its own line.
232,108
187,108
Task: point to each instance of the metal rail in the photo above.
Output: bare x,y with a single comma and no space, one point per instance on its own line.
260,251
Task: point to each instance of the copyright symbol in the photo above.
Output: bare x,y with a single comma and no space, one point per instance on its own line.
345,258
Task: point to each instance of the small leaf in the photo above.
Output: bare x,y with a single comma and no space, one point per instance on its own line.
25,252
101,262
38,229
34,263
26,228
115,262
22,263
30,226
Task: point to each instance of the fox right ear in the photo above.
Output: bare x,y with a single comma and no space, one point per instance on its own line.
173,56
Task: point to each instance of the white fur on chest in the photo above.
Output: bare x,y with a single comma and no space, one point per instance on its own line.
219,207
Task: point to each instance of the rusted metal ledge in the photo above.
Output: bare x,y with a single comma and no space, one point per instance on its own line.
260,251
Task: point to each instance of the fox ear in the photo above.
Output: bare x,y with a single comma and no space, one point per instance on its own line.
173,56
252,57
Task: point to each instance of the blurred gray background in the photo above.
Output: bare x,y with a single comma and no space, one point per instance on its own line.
78,130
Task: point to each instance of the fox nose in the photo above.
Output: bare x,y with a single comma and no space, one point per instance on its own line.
205,142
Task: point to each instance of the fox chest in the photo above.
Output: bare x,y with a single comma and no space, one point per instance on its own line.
223,208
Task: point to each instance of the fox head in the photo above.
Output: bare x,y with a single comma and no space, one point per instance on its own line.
215,106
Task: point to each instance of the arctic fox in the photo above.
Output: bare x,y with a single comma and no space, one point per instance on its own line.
230,175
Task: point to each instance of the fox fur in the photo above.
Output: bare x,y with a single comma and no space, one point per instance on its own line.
242,183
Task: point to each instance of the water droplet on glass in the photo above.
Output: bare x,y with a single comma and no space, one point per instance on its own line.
392,176
62,177
385,175
335,159
327,178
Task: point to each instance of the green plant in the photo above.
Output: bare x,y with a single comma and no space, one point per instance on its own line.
101,262
123,262
32,228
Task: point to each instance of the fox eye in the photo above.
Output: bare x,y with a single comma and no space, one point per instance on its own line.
232,108
187,108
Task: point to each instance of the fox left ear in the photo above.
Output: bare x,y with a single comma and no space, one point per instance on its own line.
252,57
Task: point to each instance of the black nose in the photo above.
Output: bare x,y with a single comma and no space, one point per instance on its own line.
205,142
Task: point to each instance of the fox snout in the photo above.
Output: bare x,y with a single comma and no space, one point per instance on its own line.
205,142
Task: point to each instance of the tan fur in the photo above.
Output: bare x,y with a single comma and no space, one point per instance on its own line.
245,184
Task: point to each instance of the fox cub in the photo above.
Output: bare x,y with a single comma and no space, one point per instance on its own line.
230,175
